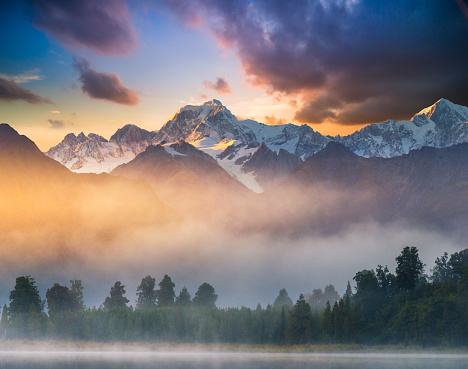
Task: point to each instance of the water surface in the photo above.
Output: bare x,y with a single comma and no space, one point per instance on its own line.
207,360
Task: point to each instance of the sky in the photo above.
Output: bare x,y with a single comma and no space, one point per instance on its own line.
94,66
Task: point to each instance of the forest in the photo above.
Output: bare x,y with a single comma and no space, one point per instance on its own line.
407,307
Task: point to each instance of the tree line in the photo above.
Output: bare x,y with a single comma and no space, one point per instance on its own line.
408,307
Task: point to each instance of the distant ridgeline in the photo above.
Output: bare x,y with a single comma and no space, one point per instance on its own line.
407,307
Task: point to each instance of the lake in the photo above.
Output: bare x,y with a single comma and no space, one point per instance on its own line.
207,360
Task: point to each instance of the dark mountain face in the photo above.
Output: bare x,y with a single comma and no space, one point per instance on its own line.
39,192
269,167
130,133
187,179
335,188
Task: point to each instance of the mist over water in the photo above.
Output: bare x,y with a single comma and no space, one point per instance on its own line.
194,360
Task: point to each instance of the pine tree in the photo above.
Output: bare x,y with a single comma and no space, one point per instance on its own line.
4,322
205,296
184,298
349,291
77,290
281,327
327,325
283,300
61,299
298,326
116,298
146,293
166,295
409,268
25,295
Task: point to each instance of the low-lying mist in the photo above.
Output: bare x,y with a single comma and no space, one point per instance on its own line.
244,269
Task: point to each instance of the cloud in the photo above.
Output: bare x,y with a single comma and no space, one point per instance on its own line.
341,57
101,85
221,86
57,124
273,121
10,91
55,112
32,75
98,25
204,96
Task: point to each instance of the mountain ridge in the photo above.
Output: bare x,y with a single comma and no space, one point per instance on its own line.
213,129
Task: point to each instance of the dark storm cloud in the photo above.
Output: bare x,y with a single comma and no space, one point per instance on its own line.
345,56
10,91
102,26
101,85
221,85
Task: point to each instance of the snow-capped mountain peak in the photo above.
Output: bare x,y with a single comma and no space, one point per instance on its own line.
445,112
440,125
213,129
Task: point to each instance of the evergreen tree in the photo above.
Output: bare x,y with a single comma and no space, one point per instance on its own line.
316,299
349,291
367,292
116,298
327,324
146,293
299,322
184,298
457,264
77,290
409,268
166,295
205,296
283,300
25,297
330,294
281,327
386,282
4,322
60,299
441,271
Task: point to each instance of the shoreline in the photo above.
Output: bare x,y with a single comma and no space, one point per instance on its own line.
163,347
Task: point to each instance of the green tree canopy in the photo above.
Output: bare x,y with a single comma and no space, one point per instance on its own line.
77,290
116,298
349,291
283,300
25,297
205,296
367,291
166,295
184,298
61,299
4,322
299,323
457,264
409,268
146,293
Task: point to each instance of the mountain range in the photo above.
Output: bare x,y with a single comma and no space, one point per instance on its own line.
206,165
256,154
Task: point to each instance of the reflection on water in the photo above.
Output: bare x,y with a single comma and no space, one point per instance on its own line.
181,360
